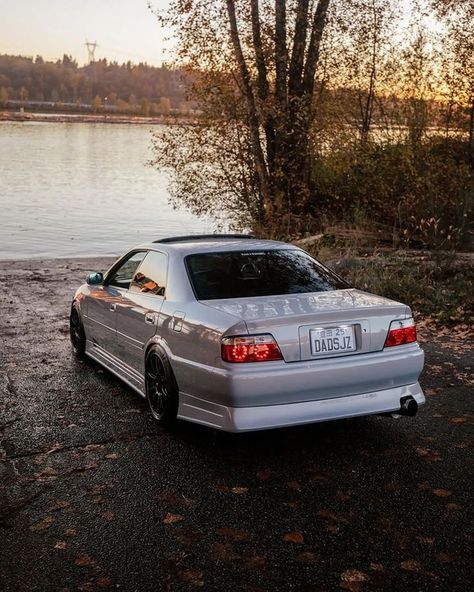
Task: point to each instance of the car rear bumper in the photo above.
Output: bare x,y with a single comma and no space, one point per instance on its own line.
245,419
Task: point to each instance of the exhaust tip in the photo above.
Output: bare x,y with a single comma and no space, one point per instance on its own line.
408,406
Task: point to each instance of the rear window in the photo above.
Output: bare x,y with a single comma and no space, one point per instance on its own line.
241,274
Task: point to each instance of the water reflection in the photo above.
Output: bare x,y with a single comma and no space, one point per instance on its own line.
82,189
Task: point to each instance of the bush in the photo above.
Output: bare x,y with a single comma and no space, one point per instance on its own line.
422,193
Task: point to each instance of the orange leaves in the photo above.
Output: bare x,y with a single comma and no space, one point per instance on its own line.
411,565
84,560
172,518
42,524
442,492
294,537
352,579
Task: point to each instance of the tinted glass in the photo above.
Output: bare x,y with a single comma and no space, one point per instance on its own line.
150,277
124,274
258,273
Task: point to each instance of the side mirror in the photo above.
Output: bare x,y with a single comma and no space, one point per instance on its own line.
94,278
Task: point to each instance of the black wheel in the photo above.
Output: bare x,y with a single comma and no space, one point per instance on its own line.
76,332
161,387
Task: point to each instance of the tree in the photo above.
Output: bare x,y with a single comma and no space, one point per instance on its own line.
458,45
3,97
96,104
254,71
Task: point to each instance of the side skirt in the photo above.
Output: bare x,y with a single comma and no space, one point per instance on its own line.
130,376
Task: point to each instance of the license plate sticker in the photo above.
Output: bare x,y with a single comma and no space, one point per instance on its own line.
332,340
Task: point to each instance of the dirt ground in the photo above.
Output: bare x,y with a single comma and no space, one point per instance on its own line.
94,496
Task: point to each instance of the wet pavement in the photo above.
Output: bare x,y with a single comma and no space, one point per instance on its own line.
94,496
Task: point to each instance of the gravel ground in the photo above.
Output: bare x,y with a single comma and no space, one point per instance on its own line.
94,496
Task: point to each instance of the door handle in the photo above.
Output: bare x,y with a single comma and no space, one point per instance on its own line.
150,318
113,306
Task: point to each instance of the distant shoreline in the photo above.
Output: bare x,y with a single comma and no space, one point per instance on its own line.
19,116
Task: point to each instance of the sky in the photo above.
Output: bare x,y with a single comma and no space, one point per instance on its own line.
124,29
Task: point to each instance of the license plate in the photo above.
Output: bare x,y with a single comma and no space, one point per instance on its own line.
332,340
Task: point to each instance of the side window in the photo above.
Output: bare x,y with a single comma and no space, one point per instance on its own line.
150,277
122,276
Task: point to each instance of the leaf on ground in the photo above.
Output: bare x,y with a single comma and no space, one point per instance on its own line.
352,579
104,582
445,557
442,492
425,540
411,565
239,490
172,518
109,516
86,587
424,486
112,456
60,545
84,560
453,506
233,534
42,524
458,420
70,532
376,567
294,537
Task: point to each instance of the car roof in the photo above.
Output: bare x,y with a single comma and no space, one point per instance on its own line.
214,243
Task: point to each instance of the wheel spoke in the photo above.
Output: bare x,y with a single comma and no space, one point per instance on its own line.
156,384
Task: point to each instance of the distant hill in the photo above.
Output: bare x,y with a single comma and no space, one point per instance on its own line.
117,86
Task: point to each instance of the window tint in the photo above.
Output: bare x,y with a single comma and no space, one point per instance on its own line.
124,274
258,273
150,277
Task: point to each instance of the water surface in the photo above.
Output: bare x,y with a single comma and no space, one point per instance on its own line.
78,189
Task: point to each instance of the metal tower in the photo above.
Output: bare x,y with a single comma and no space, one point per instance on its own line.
91,47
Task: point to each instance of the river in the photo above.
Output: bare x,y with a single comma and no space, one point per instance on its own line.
80,189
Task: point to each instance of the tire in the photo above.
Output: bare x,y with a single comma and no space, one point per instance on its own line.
162,392
76,332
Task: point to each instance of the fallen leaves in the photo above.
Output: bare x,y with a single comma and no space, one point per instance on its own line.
294,537
70,532
84,560
239,490
42,524
109,516
411,565
172,518
60,545
458,420
442,492
352,579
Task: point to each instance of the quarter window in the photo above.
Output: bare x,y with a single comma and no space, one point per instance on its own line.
150,277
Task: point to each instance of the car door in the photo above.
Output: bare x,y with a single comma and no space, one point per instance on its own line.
104,299
137,313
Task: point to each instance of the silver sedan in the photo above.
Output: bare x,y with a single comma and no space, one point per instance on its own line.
243,334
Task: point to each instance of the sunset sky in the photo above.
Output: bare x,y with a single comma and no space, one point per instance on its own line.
124,29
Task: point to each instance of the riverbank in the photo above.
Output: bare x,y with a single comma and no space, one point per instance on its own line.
20,116
94,496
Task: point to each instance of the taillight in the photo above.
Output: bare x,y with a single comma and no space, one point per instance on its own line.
401,332
253,348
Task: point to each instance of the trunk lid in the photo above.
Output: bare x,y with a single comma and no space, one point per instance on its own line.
291,317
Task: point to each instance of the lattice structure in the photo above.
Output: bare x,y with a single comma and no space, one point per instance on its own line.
91,47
